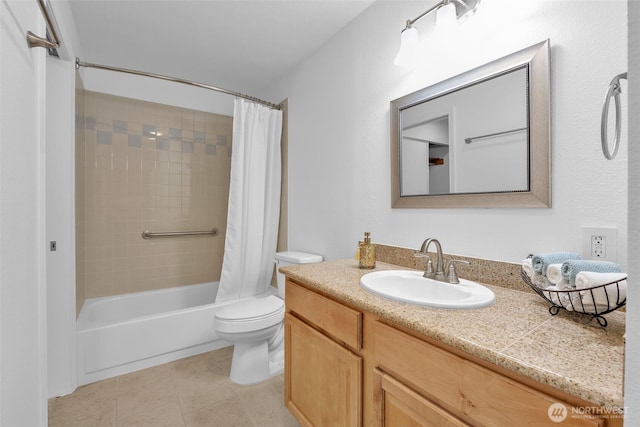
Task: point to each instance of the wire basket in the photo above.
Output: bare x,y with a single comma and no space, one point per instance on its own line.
595,301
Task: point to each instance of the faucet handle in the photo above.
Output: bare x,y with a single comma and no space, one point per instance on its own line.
453,277
428,271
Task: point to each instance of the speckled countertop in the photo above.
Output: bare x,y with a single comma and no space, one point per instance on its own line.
568,351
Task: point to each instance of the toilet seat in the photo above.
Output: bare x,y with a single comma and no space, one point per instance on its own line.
251,315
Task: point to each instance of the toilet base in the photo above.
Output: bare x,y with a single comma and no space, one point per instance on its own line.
253,363
276,363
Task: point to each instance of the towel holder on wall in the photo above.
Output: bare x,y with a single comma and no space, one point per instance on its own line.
613,91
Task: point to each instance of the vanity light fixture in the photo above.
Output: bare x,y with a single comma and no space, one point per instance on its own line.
464,9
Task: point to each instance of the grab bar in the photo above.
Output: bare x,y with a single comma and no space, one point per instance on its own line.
146,234
613,91
469,140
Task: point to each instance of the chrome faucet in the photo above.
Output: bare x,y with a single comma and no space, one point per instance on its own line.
439,274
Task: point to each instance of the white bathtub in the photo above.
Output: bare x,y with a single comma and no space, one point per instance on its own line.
125,333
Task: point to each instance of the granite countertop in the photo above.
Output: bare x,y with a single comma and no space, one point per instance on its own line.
568,351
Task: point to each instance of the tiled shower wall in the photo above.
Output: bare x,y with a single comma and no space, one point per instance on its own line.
145,166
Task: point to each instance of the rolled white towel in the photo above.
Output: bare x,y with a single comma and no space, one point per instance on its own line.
563,299
604,297
554,273
536,278
527,267
552,296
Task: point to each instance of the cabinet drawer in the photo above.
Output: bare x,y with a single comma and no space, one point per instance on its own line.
342,323
462,387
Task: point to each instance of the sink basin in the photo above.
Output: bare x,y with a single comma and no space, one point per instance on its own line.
410,287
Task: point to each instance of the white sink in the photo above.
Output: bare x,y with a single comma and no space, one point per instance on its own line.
410,287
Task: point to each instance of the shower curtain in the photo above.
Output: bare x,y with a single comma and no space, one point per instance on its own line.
254,202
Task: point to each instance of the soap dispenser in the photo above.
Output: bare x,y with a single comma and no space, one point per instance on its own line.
367,252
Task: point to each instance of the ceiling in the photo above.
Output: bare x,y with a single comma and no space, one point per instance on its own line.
240,45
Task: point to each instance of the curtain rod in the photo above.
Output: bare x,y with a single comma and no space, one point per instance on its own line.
80,63
35,41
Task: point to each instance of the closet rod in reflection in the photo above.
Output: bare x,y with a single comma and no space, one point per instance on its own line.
146,234
506,132
80,63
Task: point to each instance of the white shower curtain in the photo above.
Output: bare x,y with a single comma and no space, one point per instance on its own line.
254,201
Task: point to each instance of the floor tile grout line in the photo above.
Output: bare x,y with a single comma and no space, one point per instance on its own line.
172,375
115,403
244,407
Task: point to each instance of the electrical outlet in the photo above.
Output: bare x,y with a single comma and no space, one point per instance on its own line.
598,246
599,243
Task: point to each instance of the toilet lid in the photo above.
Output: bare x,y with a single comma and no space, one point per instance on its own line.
253,309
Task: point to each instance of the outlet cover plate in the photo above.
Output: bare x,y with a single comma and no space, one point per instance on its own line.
609,239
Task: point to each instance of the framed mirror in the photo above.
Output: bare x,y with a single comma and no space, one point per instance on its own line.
477,140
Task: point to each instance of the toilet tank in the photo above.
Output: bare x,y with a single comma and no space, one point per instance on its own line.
283,259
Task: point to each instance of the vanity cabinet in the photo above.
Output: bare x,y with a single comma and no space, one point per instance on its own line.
323,370
345,367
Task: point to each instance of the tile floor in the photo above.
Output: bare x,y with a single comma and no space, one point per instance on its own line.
195,391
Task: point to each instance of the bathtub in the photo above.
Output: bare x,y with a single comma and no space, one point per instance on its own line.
124,333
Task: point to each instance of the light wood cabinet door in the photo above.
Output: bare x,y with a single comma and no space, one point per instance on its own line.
464,388
323,380
398,405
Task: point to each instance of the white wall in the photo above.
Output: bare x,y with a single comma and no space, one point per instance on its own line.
339,184
60,206
22,219
415,167
632,353
60,225
154,90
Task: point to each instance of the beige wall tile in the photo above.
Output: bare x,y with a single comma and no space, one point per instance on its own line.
123,190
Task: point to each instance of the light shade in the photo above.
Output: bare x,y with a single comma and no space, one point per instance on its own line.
465,9
408,45
446,18
448,11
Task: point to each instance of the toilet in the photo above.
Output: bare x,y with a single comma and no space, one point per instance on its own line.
256,328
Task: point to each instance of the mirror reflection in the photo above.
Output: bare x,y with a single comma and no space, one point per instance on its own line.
471,140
